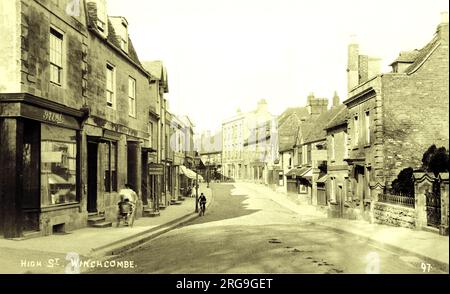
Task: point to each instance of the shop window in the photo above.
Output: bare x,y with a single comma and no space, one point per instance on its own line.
58,165
110,166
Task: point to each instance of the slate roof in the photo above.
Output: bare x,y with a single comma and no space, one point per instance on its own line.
407,56
423,54
339,119
314,129
91,21
158,71
288,125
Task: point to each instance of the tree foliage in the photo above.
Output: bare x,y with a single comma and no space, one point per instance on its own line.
435,160
403,185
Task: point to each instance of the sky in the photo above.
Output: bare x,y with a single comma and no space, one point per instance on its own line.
224,55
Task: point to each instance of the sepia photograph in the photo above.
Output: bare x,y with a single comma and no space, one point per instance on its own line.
226,137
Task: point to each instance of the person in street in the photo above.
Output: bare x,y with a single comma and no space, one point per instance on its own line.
125,210
128,194
202,201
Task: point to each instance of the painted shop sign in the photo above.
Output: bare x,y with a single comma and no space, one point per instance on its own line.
48,116
155,169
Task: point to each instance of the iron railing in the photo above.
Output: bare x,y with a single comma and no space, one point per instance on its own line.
397,200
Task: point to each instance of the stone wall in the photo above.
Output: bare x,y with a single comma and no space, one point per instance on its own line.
394,215
416,111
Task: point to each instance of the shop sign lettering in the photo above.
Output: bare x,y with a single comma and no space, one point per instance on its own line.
53,117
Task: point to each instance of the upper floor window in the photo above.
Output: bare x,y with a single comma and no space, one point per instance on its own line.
367,127
56,56
332,148
150,133
355,131
305,154
110,85
132,97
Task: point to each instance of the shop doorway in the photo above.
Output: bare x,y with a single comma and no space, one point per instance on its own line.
145,178
92,157
31,176
132,164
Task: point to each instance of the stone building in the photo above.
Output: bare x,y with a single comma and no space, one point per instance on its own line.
210,151
297,184
159,86
288,127
394,117
74,117
337,166
260,150
311,151
235,131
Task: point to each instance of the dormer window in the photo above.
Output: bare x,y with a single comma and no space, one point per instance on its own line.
124,38
120,25
101,16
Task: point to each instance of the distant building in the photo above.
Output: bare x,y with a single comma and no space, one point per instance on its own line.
235,131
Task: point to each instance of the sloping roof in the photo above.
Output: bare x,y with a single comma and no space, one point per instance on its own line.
322,179
111,37
339,119
298,172
317,126
157,70
406,56
299,112
423,54
288,125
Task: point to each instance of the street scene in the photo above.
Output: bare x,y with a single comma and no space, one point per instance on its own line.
224,137
246,231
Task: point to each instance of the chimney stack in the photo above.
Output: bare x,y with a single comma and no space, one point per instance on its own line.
316,106
262,105
352,64
335,100
442,28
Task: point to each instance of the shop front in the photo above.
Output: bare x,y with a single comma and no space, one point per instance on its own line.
155,172
40,166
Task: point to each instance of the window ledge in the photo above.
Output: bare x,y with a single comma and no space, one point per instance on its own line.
333,202
367,145
61,206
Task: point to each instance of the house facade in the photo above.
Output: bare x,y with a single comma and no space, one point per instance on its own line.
79,118
394,118
235,132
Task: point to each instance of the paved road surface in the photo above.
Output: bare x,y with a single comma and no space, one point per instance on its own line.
253,234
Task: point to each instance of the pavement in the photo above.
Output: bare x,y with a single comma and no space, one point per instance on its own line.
431,247
52,254
245,232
